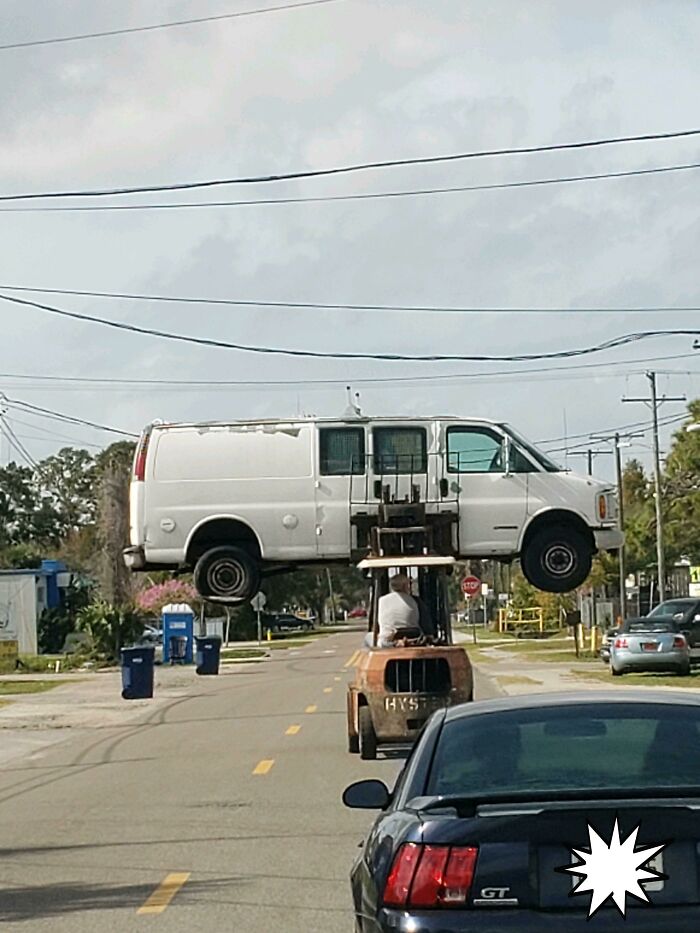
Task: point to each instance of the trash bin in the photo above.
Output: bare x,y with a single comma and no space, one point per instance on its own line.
178,649
137,673
208,654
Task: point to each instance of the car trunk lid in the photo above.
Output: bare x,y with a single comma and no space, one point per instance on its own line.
523,846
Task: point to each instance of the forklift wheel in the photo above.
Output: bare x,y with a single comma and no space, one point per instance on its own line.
353,744
367,737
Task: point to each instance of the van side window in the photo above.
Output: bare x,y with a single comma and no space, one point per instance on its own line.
342,451
400,450
474,450
478,450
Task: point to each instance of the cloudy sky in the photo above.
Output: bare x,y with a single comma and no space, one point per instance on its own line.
346,82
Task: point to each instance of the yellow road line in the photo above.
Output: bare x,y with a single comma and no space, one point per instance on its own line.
265,766
293,730
337,679
311,709
352,660
328,689
164,893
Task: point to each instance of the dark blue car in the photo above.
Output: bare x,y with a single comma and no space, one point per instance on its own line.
494,797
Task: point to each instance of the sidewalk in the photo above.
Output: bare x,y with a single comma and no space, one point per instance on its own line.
83,703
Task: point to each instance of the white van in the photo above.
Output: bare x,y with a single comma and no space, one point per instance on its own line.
236,501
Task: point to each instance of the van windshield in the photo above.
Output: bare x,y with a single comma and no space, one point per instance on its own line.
542,459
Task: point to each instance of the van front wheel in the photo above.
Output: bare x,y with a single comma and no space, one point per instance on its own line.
557,559
227,574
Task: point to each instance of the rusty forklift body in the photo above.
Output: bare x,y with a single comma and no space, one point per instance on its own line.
396,689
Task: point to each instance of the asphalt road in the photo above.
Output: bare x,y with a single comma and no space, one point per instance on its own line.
222,811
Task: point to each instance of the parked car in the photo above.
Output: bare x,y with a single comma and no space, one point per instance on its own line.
358,613
152,635
228,501
650,644
286,621
606,646
495,796
684,611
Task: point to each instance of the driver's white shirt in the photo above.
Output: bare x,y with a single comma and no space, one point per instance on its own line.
396,611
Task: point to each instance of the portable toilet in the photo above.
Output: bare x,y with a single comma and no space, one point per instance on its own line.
178,623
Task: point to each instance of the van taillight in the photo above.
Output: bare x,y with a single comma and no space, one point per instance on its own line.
141,454
430,876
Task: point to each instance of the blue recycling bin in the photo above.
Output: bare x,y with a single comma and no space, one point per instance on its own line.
137,672
208,654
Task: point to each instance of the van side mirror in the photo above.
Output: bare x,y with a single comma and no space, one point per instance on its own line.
444,488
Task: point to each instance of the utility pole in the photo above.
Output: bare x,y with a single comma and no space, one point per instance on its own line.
617,439
654,402
589,454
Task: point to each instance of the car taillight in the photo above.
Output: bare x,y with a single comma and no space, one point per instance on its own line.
602,507
431,876
679,642
621,643
141,454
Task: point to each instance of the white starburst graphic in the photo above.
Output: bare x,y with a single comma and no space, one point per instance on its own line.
613,871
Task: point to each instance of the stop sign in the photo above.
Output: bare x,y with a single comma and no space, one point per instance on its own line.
471,586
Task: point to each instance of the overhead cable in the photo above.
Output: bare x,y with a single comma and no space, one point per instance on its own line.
59,416
370,196
347,169
623,340
615,368
171,24
330,306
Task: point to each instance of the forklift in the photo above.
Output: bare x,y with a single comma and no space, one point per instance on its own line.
396,689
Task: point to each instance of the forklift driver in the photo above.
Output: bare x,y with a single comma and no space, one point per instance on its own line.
399,614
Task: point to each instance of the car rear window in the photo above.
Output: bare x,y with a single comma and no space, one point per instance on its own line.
569,748
672,608
647,626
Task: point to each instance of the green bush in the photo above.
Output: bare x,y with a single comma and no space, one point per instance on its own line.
110,628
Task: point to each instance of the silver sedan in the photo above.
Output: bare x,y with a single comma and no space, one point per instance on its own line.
649,645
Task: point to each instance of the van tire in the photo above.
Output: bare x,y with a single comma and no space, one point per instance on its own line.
227,575
557,559
367,737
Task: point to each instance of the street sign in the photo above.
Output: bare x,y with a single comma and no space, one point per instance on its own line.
471,586
258,602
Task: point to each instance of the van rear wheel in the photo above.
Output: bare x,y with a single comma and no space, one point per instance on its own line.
557,559
227,574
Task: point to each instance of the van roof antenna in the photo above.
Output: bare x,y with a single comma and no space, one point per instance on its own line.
353,410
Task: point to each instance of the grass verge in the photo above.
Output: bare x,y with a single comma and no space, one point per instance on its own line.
243,654
640,680
14,687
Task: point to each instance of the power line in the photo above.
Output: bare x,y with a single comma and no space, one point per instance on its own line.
330,306
404,193
347,169
589,435
645,425
59,416
51,435
167,25
621,341
6,429
79,382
